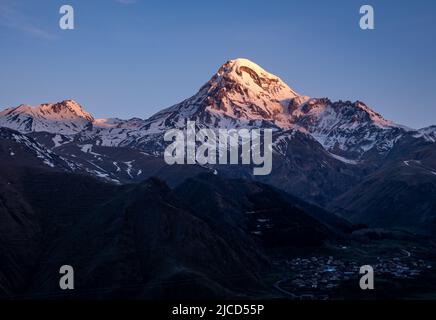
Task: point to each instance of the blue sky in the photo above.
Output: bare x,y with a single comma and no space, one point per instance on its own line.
131,58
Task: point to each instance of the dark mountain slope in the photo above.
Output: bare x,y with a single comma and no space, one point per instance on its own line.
128,241
403,196
257,210
20,237
144,240
17,149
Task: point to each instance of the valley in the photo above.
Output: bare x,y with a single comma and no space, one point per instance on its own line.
333,273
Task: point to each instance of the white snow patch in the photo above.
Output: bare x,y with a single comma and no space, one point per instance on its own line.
129,167
345,160
116,166
57,140
87,148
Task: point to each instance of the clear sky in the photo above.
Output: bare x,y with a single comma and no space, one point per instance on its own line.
130,58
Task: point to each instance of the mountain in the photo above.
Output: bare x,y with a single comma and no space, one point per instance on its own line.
17,149
277,220
146,240
240,94
243,95
400,193
322,149
348,129
66,117
428,133
402,196
98,195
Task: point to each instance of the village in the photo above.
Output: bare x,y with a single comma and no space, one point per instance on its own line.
317,277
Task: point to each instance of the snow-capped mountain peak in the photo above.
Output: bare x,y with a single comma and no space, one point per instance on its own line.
66,117
239,94
69,107
242,89
254,78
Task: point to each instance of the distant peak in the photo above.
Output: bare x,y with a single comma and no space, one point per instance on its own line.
66,109
69,106
65,117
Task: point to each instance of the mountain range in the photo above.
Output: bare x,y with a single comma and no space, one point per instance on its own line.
321,149
67,179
